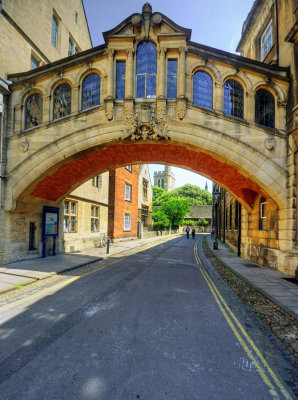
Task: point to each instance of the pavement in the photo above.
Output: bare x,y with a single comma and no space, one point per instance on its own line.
270,282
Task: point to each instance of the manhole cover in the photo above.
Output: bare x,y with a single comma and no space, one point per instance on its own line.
251,265
292,280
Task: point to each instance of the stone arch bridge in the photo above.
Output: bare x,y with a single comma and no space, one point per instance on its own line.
63,128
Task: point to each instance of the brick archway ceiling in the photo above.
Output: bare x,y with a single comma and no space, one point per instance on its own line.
58,184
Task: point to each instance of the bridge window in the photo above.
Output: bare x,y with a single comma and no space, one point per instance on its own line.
264,108
33,111
62,101
233,98
202,89
146,70
91,91
120,79
172,79
262,219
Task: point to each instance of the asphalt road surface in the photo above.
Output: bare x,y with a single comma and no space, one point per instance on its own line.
153,325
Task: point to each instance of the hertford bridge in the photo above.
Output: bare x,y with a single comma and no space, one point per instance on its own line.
149,94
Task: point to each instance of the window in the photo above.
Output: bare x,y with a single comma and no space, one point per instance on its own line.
233,98
54,31
120,79
237,210
62,101
146,70
91,91
129,168
266,41
203,89
127,194
32,229
172,79
264,108
262,219
127,222
33,111
145,188
94,219
70,47
34,63
97,181
70,216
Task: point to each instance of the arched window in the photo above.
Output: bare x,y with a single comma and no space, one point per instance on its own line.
233,98
33,111
91,91
202,89
146,70
62,101
264,108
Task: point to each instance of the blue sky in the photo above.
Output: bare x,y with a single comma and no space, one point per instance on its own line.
215,23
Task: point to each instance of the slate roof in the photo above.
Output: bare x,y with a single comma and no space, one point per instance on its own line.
200,212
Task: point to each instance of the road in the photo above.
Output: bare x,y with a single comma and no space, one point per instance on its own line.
152,325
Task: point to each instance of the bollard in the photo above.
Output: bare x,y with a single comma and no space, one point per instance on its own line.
108,246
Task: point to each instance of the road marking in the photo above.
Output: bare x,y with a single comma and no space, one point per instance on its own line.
195,249
225,309
60,285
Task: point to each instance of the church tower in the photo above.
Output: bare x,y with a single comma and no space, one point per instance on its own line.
165,179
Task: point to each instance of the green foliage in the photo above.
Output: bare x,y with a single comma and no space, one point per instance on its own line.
175,209
190,222
157,194
203,222
196,195
160,219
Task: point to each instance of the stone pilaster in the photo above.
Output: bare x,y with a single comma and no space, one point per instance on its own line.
129,75
46,112
110,83
161,69
218,97
75,104
249,111
181,73
17,125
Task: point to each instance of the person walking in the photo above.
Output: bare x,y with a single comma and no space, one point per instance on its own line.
187,232
193,233
212,230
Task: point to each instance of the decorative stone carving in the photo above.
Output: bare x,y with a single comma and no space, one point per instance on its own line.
136,19
129,109
109,103
270,143
24,146
161,108
181,108
145,126
156,18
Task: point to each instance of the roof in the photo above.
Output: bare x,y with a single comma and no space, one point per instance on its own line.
200,212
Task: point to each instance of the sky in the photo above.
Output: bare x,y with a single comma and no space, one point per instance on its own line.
215,23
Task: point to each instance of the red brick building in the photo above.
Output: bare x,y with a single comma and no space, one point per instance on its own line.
123,202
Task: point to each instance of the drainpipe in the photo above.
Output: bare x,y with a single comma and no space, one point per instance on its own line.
277,41
224,221
239,230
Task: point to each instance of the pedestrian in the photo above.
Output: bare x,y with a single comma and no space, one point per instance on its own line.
212,230
193,233
187,232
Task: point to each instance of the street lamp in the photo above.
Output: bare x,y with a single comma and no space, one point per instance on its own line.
216,199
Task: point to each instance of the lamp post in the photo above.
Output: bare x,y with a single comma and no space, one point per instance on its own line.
216,196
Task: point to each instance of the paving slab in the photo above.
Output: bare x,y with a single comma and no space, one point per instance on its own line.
269,281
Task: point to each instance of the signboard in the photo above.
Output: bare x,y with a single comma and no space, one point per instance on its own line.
50,221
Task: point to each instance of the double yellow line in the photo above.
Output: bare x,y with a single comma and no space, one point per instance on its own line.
267,374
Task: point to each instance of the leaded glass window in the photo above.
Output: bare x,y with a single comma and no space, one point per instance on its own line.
264,108
54,31
266,41
146,70
91,91
203,89
120,79
33,111
62,101
233,98
172,79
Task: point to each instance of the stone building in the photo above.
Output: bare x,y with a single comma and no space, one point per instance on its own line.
157,97
145,198
165,179
269,35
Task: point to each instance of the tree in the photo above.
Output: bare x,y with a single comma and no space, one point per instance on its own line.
158,193
160,219
175,208
196,195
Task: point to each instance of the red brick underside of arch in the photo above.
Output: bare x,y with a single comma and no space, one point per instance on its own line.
55,186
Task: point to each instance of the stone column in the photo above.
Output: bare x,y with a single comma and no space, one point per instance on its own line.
181,76
110,86
129,75
218,97
161,69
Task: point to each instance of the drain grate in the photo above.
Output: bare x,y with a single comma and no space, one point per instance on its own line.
292,280
248,265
